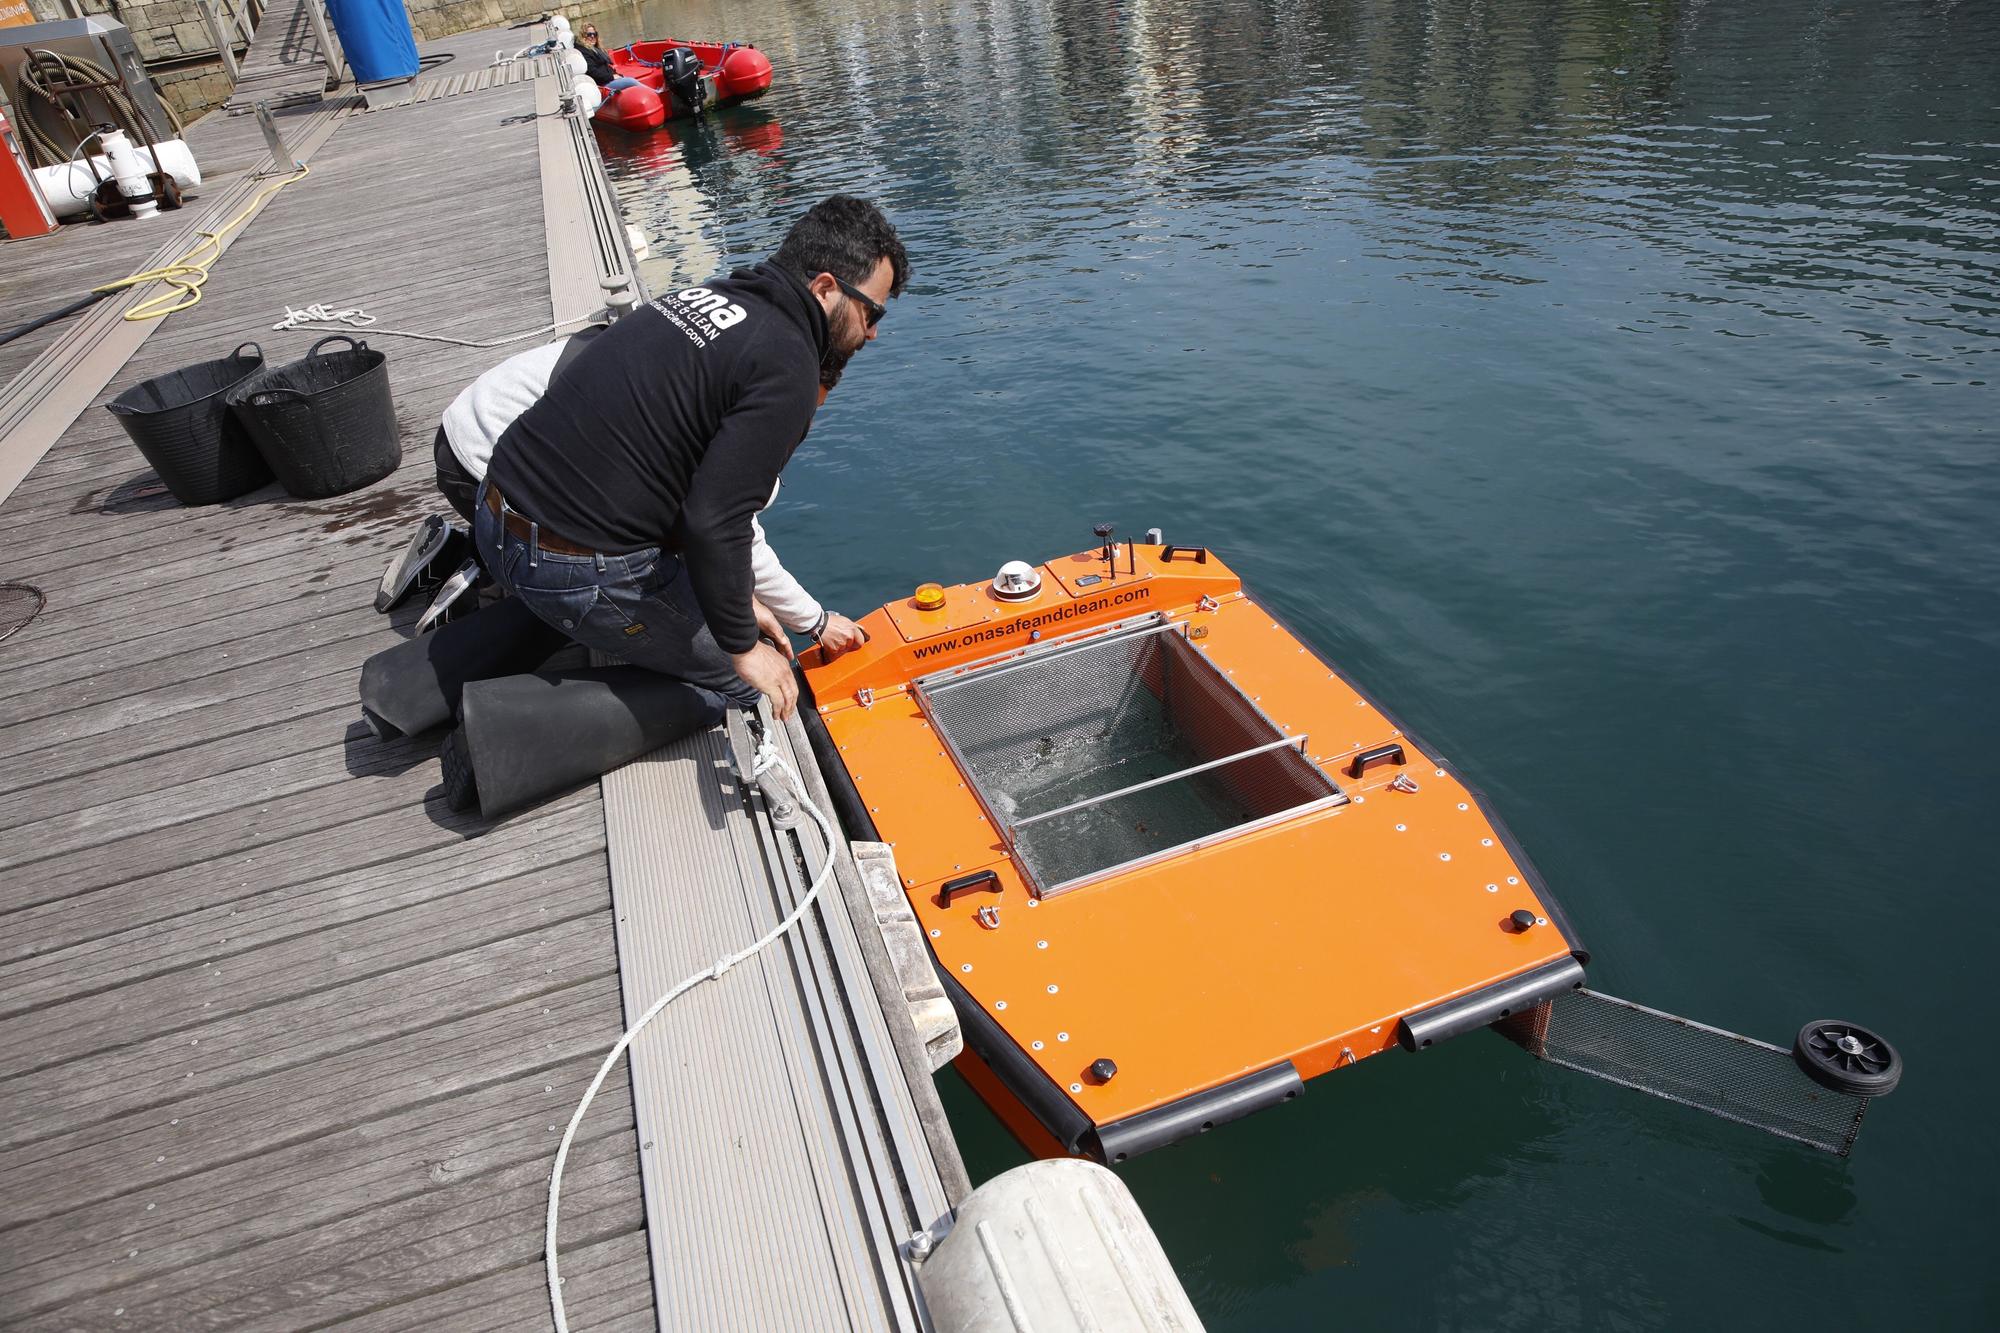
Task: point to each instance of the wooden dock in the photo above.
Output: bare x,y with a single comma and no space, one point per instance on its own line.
284,1041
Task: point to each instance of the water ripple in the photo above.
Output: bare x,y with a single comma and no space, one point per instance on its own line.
1605,381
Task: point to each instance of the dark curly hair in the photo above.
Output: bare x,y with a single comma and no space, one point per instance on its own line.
846,237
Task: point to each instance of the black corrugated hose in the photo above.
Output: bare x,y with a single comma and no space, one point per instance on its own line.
61,312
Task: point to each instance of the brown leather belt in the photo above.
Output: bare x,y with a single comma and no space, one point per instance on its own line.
521,527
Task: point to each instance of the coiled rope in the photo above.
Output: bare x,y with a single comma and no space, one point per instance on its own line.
767,758
31,85
326,319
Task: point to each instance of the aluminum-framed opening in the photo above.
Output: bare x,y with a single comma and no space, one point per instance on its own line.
1099,753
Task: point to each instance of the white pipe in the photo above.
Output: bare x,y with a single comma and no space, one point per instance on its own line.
129,170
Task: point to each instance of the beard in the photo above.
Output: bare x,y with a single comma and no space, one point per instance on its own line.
833,363
843,339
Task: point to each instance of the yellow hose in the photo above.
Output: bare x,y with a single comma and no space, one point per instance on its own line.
186,275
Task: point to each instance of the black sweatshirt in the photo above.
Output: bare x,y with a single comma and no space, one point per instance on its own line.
670,428
596,64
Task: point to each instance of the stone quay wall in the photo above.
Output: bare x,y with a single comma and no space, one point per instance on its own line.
179,49
447,18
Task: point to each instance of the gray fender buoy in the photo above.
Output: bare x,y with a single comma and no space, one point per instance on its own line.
527,737
416,685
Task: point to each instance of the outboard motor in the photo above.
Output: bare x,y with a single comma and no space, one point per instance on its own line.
682,68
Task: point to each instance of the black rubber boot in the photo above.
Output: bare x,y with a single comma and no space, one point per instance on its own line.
532,736
415,685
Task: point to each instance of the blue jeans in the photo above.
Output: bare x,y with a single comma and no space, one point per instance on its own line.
620,82
638,607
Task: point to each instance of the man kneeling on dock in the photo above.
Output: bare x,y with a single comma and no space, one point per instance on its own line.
620,506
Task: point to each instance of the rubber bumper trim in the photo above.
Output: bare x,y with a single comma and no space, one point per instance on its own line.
1489,1004
848,807
1192,1115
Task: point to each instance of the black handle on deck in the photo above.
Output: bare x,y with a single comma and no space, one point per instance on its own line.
1392,753
1167,554
978,879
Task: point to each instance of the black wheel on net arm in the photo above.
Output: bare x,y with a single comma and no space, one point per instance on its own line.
1847,1058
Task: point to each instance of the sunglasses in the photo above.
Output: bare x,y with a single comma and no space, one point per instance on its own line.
875,312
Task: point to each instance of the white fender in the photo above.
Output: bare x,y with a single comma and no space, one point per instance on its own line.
68,187
588,95
573,61
1058,1245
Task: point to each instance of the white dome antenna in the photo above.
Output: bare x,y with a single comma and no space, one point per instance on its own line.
1017,581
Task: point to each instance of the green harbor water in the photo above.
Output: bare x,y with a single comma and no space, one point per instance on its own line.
1607,386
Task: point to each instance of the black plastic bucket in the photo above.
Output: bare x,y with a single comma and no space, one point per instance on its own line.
325,423
182,424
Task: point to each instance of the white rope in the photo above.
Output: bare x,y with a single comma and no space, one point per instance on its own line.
325,319
766,759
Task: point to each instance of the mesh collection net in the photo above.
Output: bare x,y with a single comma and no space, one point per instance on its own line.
1735,1077
1083,751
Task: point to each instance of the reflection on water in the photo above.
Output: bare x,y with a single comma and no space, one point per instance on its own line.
1605,384
674,168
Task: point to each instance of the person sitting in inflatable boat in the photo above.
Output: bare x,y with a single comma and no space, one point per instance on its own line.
597,65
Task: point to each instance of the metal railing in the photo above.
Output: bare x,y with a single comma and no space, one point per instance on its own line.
329,48
1296,742
225,37
231,22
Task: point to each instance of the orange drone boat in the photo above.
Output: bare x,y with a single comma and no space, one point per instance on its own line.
1171,864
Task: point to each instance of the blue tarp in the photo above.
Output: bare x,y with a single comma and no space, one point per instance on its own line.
377,38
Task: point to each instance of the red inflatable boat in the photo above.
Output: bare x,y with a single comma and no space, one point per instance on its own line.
679,78
633,108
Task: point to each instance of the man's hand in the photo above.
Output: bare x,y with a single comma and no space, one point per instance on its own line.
840,635
768,626
768,670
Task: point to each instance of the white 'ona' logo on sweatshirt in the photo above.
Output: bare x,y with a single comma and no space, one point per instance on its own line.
718,310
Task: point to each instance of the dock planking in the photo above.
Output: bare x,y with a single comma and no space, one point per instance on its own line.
292,1041
44,272
281,1036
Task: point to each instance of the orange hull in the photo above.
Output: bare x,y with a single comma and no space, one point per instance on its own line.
1286,884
